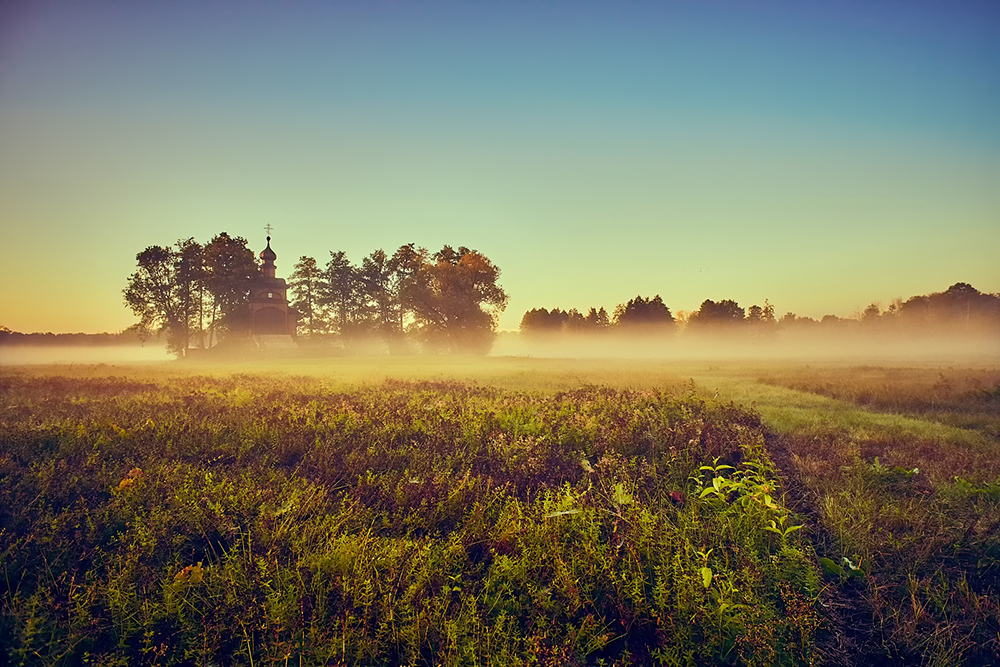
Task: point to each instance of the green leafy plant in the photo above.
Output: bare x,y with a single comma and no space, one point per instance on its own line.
846,569
778,527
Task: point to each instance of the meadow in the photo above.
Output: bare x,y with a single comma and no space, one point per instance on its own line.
500,511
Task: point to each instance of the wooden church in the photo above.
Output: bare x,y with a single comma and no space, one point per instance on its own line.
273,321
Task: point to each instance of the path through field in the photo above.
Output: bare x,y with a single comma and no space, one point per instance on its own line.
879,487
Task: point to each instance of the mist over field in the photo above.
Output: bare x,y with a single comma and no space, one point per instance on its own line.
43,355
982,347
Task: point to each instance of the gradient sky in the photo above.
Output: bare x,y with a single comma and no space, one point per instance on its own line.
821,155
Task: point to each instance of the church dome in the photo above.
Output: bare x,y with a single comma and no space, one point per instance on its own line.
267,254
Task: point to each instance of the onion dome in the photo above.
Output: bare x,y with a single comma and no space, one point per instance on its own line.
267,254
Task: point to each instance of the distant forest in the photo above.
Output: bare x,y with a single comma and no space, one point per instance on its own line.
960,308
128,337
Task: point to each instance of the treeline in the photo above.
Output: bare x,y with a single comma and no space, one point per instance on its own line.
644,316
640,314
197,295
959,308
127,337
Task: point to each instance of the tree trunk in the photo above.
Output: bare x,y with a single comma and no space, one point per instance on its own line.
211,330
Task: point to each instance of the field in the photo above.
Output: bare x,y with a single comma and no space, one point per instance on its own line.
500,511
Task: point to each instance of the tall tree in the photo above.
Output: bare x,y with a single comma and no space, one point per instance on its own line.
189,269
341,291
961,306
305,282
597,319
377,277
407,262
761,319
151,294
456,300
164,291
230,269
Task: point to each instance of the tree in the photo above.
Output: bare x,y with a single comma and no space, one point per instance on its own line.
340,290
189,268
379,283
164,291
305,282
542,321
455,300
151,293
575,321
230,269
961,306
872,313
724,314
760,319
597,319
407,262
641,314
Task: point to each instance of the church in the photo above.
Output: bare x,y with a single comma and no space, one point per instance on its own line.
272,320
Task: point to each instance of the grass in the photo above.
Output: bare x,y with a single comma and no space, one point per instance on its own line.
965,397
508,511
398,523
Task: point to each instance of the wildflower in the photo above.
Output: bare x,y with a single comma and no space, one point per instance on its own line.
130,479
190,575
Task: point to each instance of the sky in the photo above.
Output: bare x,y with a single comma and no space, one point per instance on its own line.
820,155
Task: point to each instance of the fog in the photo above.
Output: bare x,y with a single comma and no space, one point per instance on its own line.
982,347
11,355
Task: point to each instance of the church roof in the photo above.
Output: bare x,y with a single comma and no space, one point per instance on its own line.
267,254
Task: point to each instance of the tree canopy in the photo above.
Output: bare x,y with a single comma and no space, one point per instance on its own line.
174,289
644,314
154,294
714,314
455,300
305,282
230,268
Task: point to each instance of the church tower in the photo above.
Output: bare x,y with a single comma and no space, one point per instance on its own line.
271,315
